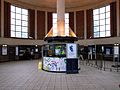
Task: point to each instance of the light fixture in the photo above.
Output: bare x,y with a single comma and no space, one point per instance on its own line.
4,45
116,44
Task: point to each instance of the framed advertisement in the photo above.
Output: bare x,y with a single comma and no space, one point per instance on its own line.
71,50
108,51
116,51
4,50
16,50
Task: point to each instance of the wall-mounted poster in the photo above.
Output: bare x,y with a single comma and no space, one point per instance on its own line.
36,50
4,50
71,50
108,51
17,51
116,51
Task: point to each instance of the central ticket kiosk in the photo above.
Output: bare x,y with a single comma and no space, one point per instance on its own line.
59,56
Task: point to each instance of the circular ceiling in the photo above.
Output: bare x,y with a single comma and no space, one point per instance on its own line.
68,3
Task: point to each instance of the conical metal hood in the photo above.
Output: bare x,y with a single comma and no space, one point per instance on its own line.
60,22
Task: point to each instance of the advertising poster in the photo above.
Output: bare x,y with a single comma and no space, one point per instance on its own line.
116,51
71,50
4,50
16,51
108,51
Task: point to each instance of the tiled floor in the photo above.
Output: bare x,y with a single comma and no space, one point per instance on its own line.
24,75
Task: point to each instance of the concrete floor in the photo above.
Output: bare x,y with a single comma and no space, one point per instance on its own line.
24,75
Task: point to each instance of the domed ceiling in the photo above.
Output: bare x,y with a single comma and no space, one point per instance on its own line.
68,3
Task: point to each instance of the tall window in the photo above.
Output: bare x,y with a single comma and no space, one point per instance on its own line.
66,24
101,20
19,22
54,24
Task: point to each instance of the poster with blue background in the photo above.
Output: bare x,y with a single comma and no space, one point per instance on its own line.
71,50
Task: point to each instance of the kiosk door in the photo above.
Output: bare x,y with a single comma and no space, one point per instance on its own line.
72,65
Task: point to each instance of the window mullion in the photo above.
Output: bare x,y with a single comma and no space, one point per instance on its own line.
21,23
99,22
20,17
15,22
105,22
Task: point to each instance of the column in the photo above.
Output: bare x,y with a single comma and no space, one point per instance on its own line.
85,25
35,24
46,24
75,22
60,17
2,18
118,17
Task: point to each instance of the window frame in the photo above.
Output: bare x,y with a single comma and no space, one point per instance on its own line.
20,24
66,23
101,22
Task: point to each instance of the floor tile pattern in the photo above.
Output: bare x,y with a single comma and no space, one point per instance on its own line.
24,75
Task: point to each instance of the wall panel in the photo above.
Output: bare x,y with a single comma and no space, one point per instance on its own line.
113,19
80,24
40,25
49,21
89,23
71,20
6,19
31,23
0,18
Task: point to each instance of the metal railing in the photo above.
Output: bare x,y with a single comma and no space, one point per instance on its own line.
102,63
